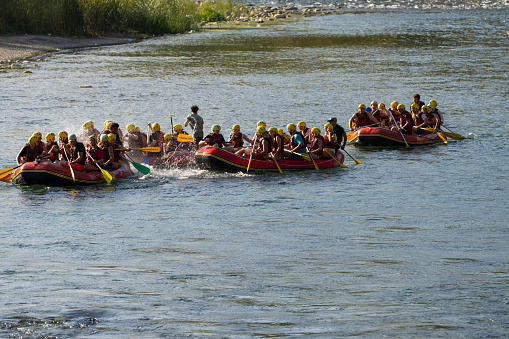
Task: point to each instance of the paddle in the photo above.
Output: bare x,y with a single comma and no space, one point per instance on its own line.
432,130
106,175
279,168
452,135
251,156
69,163
143,169
357,162
146,149
340,164
185,138
392,116
313,160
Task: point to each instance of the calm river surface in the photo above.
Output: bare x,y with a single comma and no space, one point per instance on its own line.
411,243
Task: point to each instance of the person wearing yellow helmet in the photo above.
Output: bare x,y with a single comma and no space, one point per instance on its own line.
420,120
196,122
40,143
262,151
278,146
304,131
180,147
236,139
106,147
30,152
51,147
439,119
134,139
361,118
405,121
296,144
214,139
143,135
87,129
339,131
330,139
317,143
94,155
156,139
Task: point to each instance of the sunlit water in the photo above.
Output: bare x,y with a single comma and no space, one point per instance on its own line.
411,243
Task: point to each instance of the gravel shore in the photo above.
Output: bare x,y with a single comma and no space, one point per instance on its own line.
18,47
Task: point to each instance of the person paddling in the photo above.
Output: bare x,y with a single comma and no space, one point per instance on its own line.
108,153
95,152
296,145
405,121
361,118
262,152
75,153
156,138
29,152
330,139
317,143
420,120
214,139
51,147
339,131
237,139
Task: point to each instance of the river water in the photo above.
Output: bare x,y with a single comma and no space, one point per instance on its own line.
411,243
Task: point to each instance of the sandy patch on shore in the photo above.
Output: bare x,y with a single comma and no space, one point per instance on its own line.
19,47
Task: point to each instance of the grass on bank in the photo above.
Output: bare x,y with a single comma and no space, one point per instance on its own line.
97,17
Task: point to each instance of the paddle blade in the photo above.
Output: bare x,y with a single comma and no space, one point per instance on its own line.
6,177
454,136
107,175
442,137
184,138
5,172
143,169
357,162
304,156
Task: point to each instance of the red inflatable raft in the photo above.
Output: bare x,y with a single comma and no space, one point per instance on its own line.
368,136
220,160
49,174
176,160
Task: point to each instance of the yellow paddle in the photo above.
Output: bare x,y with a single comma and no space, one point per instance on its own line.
69,163
313,160
279,168
106,175
432,130
452,135
251,156
357,162
340,164
146,149
185,138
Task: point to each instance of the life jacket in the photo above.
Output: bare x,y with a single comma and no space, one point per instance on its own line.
378,116
32,153
74,153
106,153
237,140
314,144
96,153
215,139
404,118
275,148
418,118
138,143
329,144
49,146
260,145
159,137
363,121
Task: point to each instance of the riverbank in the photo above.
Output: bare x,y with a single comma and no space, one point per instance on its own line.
19,47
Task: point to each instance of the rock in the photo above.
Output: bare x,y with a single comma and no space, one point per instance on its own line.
280,16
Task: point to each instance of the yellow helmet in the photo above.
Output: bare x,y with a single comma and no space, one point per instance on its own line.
167,137
107,124
301,124
401,106
362,106
261,129
93,137
87,125
50,137
130,128
38,134
424,108
414,105
328,125
177,127
261,123
433,102
273,130
104,137
280,132
63,134
316,131
33,140
291,127
394,104
215,128
111,137
156,127
374,103
236,128
137,129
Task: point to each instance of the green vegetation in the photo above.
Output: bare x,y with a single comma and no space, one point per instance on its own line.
96,17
